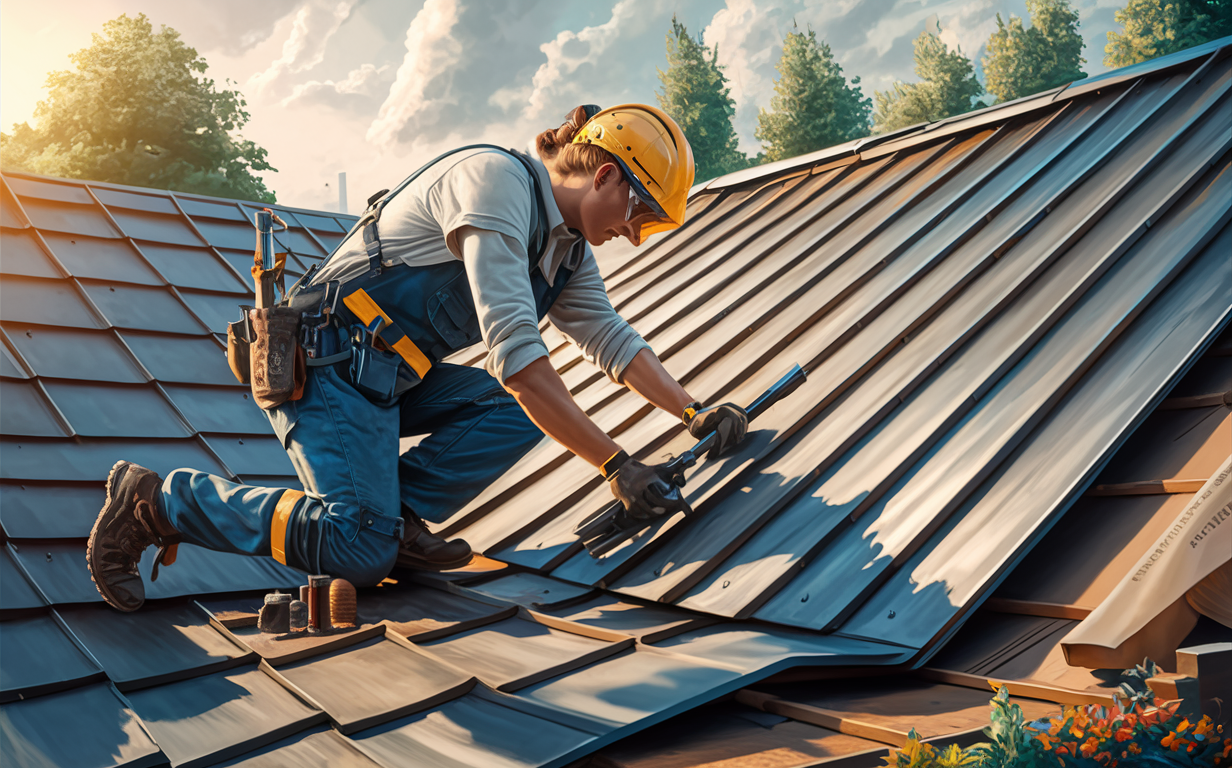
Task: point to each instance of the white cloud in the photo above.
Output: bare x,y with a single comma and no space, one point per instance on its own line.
314,25
576,60
749,36
359,88
431,52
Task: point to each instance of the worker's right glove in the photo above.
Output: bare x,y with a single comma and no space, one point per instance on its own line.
645,491
728,422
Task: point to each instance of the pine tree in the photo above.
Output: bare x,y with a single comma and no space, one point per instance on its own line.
947,87
696,95
813,106
1020,61
1156,28
138,110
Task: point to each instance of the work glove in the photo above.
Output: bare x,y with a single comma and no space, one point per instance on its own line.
645,491
728,422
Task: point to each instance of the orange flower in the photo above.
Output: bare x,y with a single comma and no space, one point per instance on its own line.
1134,749
1046,739
1124,733
1089,746
1204,726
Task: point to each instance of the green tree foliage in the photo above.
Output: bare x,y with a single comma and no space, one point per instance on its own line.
947,87
138,110
813,106
1156,28
696,95
1020,61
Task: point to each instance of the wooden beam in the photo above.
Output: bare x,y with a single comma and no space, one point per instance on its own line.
1148,487
1036,608
826,718
1196,401
1028,689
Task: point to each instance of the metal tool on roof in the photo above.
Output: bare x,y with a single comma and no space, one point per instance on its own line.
608,528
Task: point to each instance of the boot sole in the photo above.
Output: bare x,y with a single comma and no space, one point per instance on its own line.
114,476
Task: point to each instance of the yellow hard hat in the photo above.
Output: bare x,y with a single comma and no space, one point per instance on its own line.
653,153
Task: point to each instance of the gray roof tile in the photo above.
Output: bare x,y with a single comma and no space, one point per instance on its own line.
24,256
46,511
193,267
68,353
102,731
27,413
37,657
102,259
85,220
112,410
45,302
139,307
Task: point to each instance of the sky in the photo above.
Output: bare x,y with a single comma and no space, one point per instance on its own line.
376,88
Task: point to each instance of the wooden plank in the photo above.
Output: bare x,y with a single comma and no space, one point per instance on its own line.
1197,401
1148,488
1036,608
1024,688
825,718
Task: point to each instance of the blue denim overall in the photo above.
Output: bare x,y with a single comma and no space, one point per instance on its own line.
344,445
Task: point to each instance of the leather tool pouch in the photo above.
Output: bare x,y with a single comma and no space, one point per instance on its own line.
276,361
239,341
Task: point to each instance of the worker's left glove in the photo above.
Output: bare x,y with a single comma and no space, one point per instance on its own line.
728,422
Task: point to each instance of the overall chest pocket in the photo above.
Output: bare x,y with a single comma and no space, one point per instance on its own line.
451,311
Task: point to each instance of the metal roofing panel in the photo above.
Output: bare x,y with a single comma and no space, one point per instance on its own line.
529,589
395,679
227,234
208,719
36,658
1092,419
1186,444
323,747
297,240
158,228
129,306
758,648
45,302
154,202
181,359
66,353
919,498
211,209
88,726
898,435
322,223
60,511
57,190
59,569
17,594
479,730
192,267
635,686
102,259
648,623
153,646
518,652
24,256
27,413
87,220
10,367
254,455
103,410
215,310
10,216
420,614
219,409
92,459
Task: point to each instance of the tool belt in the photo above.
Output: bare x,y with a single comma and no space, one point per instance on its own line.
318,324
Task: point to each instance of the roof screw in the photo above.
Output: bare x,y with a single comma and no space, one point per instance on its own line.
805,598
726,584
241,442
891,615
49,557
658,571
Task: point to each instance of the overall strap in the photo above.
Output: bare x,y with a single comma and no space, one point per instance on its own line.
368,223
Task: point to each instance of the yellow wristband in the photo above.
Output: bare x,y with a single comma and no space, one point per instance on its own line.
690,411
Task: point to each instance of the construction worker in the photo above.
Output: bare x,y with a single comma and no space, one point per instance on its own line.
481,244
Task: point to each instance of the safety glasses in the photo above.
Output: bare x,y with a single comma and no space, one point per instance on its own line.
642,205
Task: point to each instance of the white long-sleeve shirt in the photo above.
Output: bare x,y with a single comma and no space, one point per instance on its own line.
491,191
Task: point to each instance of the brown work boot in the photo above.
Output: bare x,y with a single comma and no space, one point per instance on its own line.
129,522
423,550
